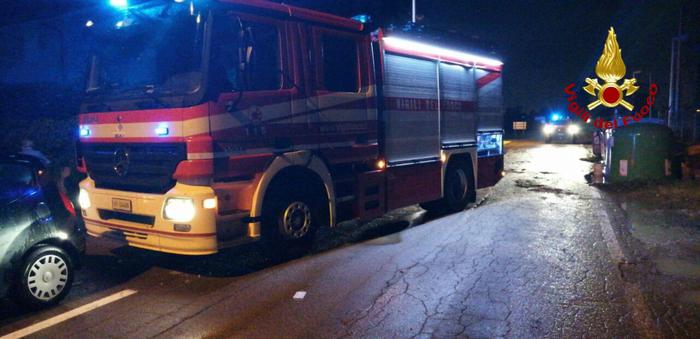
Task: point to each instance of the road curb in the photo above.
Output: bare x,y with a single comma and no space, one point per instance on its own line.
639,307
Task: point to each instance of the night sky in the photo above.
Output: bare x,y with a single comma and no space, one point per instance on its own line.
545,45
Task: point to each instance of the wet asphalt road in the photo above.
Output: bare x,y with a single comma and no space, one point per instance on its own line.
533,260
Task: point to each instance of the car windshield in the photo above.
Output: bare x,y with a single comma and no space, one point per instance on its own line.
14,175
149,50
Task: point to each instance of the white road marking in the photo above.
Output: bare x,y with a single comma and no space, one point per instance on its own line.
68,315
297,296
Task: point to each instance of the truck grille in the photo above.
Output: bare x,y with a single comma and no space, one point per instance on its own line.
146,168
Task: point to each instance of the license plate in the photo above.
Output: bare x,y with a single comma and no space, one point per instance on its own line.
121,205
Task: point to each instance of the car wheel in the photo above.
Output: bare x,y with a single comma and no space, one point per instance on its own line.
45,278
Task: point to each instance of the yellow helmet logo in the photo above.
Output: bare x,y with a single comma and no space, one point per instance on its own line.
611,69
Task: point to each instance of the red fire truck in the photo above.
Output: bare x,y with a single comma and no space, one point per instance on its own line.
206,126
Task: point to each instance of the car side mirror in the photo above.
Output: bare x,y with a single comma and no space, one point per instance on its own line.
42,211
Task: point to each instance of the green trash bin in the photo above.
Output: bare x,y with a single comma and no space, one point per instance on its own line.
639,152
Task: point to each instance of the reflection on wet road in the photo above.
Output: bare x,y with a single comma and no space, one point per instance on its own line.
530,261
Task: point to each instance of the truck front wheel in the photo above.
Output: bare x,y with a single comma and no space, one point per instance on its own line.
291,217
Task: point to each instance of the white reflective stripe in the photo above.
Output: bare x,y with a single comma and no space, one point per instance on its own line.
225,120
195,126
345,115
42,325
284,112
210,155
204,156
134,130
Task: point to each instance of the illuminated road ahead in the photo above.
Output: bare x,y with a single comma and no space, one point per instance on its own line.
537,258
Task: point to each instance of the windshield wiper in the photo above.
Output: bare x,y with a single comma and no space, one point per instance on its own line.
150,91
100,95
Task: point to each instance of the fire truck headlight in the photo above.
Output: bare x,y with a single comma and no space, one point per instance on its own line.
573,129
179,209
548,129
84,199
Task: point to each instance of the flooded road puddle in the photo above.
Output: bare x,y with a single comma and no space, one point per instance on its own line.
659,227
679,267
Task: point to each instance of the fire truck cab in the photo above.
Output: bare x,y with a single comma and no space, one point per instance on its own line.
206,127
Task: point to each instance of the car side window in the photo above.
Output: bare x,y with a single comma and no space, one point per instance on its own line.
340,63
17,174
245,55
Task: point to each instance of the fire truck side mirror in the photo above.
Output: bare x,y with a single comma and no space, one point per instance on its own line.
93,82
245,49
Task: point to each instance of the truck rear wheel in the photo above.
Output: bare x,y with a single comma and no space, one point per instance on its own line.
458,189
291,217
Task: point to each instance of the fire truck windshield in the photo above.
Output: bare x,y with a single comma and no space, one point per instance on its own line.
147,52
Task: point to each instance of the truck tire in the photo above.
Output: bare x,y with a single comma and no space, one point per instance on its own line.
291,218
458,189
45,278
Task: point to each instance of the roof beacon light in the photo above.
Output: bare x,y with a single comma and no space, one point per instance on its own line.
362,18
419,47
121,4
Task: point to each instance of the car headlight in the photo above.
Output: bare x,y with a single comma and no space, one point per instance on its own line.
84,199
179,209
573,129
548,129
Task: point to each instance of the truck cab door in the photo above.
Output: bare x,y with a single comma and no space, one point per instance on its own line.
249,71
343,95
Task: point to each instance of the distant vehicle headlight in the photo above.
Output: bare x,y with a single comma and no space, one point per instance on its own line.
179,209
84,199
548,129
573,129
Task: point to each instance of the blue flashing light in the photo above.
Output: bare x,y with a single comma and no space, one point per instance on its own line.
179,1
89,23
84,132
556,117
162,131
363,18
121,4
120,24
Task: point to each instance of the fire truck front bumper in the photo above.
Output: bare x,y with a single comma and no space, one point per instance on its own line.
181,221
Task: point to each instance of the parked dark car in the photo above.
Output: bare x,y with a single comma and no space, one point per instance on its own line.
41,239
